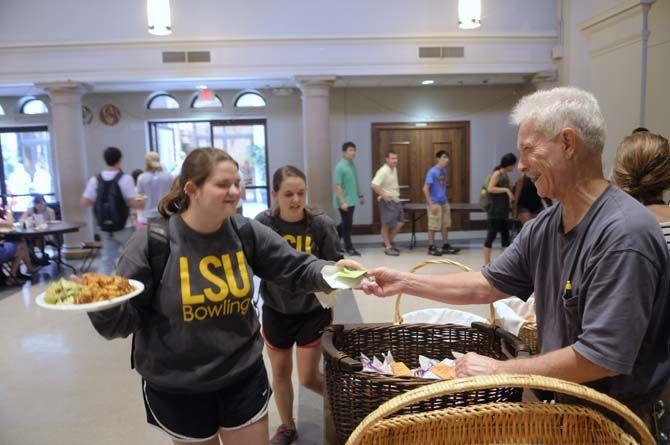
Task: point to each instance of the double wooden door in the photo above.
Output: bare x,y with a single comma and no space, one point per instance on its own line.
416,147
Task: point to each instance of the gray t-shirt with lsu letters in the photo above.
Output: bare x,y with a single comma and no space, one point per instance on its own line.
198,330
617,313
318,237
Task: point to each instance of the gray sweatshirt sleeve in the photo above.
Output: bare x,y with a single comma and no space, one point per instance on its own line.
273,259
123,320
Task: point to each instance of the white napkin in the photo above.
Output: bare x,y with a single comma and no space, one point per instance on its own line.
511,313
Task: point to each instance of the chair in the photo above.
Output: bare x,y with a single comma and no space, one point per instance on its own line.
92,248
503,423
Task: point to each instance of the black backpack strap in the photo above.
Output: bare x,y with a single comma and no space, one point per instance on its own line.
239,222
158,251
117,177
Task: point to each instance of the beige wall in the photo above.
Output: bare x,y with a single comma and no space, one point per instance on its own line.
353,110
603,53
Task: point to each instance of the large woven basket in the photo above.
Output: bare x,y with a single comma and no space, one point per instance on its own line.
503,423
352,394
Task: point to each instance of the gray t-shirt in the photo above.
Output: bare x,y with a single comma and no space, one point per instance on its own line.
318,238
154,185
617,263
198,331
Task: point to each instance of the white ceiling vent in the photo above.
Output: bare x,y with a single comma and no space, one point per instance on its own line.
186,57
441,52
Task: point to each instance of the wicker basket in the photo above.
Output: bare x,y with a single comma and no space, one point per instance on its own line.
527,333
502,423
352,394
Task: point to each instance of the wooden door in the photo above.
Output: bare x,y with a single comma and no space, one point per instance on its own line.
416,148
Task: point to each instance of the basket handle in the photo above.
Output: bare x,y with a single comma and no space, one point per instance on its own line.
501,381
513,344
398,317
343,361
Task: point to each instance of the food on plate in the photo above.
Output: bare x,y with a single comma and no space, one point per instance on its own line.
91,288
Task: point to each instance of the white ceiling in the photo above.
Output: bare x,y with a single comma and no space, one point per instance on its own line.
242,84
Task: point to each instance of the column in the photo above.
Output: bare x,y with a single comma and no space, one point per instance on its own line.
316,139
69,149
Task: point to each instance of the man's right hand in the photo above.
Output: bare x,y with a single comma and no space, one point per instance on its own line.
344,207
386,198
383,282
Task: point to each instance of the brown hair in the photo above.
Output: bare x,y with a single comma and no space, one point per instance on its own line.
642,167
196,168
390,152
289,171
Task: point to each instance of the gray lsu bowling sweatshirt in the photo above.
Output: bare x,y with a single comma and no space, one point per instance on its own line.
315,234
198,330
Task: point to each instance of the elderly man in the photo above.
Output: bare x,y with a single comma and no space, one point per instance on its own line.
597,263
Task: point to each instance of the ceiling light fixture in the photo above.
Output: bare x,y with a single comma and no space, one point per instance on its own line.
158,16
202,87
469,14
427,82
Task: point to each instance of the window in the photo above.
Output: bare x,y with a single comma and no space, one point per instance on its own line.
214,102
249,99
244,140
34,106
27,166
162,101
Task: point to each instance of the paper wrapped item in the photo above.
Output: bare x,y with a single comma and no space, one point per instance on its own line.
512,313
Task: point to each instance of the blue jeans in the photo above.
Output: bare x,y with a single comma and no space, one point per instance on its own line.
112,245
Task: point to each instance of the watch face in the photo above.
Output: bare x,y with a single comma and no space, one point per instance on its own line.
86,115
110,114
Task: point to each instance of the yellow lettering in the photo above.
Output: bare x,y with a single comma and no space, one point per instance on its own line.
214,310
290,239
230,275
205,263
308,244
245,306
188,313
201,313
186,296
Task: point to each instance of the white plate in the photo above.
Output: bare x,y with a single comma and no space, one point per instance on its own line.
92,307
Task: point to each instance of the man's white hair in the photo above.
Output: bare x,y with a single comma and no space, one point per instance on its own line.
564,107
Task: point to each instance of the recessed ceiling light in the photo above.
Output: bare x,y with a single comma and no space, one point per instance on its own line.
427,82
421,124
202,87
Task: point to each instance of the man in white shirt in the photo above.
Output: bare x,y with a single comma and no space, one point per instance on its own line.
112,241
385,184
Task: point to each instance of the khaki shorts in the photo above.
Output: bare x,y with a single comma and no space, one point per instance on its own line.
439,217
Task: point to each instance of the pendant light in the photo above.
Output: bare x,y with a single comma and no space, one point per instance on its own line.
158,15
469,14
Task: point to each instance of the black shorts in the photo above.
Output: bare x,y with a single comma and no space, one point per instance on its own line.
281,331
198,417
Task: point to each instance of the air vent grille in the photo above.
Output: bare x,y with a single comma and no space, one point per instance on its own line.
441,52
184,57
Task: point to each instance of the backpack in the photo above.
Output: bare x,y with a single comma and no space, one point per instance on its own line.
110,208
484,197
158,245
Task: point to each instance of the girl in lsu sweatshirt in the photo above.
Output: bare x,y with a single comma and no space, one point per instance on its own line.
291,317
197,344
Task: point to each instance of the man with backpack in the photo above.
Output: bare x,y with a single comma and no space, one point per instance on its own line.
112,194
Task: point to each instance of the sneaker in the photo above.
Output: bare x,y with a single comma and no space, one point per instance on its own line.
432,250
353,252
284,436
448,249
391,252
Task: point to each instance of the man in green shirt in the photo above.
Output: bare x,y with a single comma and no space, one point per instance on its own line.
347,194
